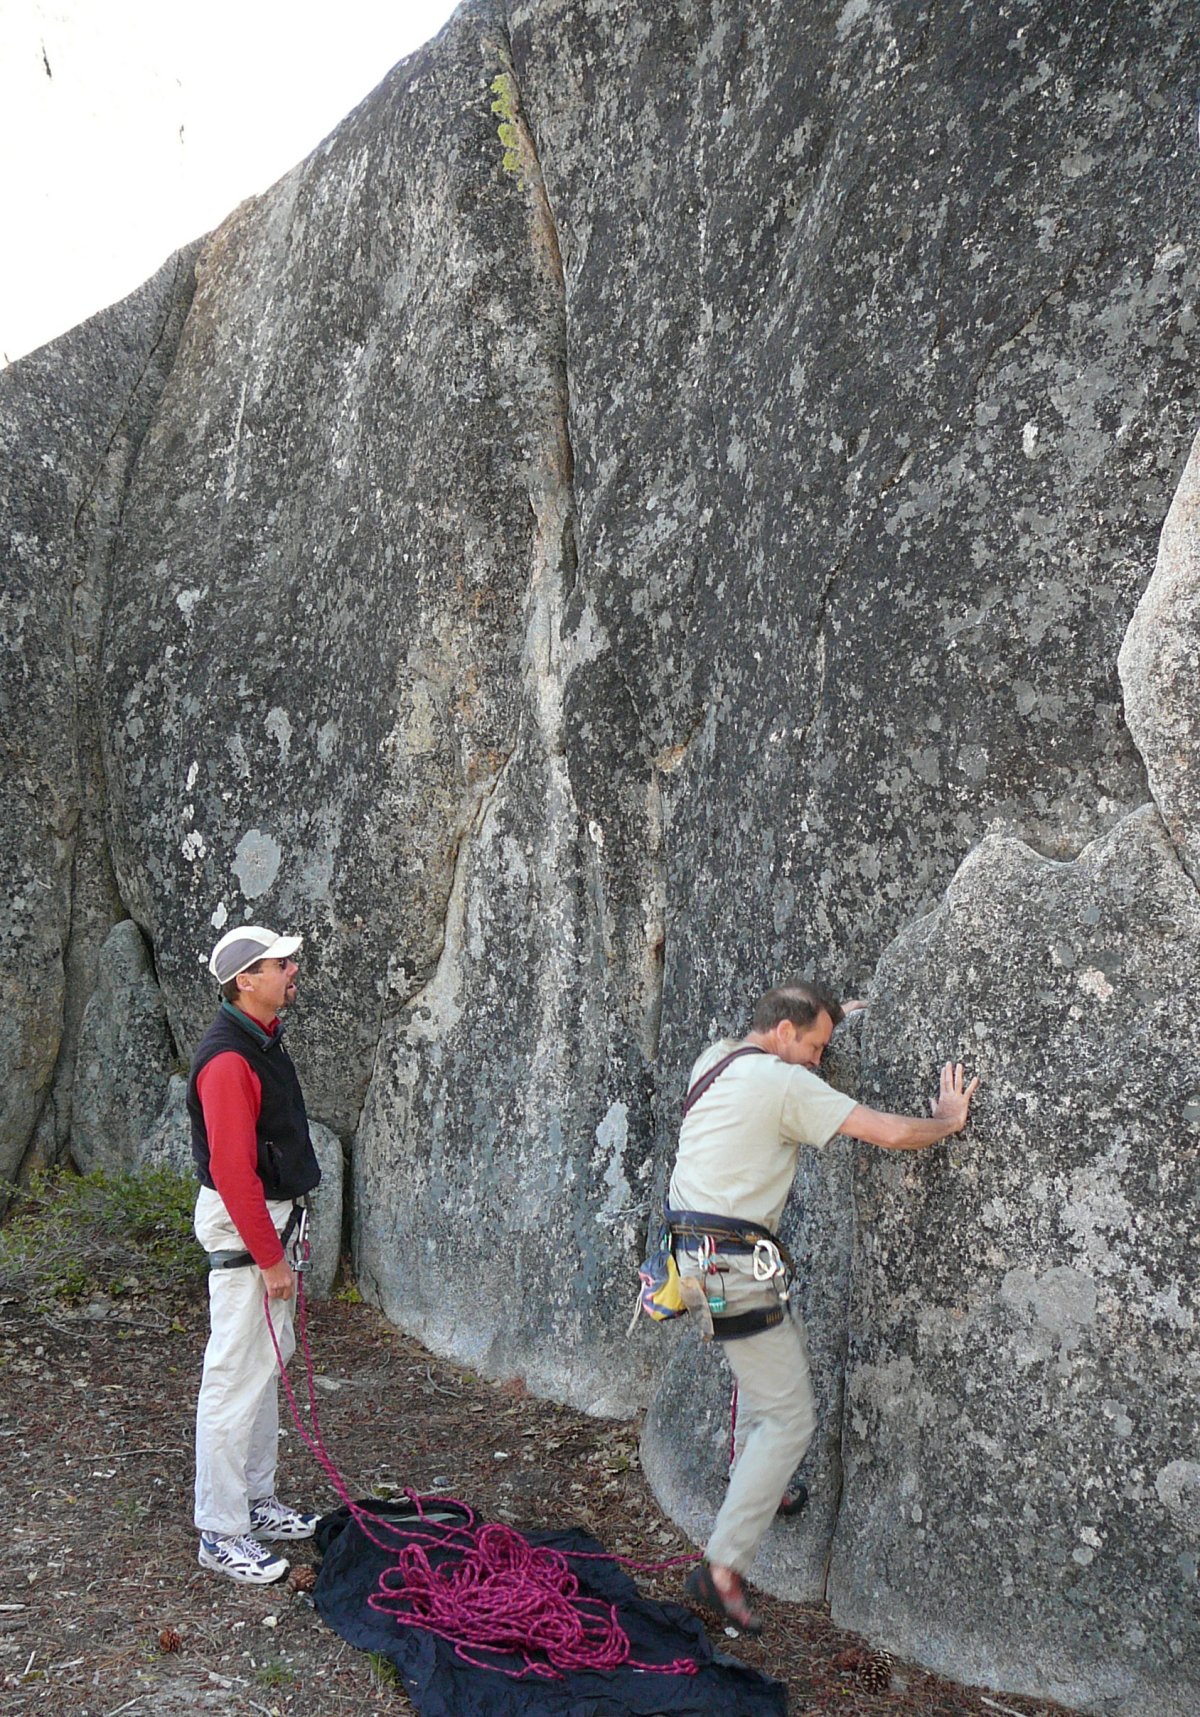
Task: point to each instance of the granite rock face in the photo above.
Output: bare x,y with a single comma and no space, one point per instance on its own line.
325,1227
168,1142
124,1058
870,465
1019,1437
71,419
325,560
626,518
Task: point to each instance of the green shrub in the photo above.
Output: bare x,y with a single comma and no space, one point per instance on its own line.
70,1235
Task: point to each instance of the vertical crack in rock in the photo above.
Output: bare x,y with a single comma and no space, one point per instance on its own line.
550,658
94,901
173,316
483,1134
551,495
522,160
654,972
547,656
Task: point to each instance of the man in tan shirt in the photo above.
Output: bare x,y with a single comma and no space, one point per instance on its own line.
750,1106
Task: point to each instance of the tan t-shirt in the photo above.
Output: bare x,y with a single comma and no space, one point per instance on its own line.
738,1143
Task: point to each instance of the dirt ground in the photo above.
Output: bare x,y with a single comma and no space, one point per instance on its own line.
98,1555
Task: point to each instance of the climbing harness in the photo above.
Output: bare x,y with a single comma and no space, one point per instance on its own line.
486,1590
735,1326
709,1235
732,1234
297,1223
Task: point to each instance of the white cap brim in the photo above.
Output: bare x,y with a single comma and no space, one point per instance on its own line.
245,946
281,948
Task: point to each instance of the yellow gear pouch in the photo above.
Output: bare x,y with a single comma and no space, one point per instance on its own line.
662,1294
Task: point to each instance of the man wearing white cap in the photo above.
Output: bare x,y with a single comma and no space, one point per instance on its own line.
255,1161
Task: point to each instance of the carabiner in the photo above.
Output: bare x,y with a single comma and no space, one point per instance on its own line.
300,1244
767,1262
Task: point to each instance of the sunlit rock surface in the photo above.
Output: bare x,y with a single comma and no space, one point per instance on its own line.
1022,1484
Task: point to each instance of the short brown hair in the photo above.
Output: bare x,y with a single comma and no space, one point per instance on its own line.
800,1000
229,989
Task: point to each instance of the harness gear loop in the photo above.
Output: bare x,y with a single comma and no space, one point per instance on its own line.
726,1233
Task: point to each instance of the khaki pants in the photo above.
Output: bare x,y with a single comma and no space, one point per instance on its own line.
237,1413
776,1417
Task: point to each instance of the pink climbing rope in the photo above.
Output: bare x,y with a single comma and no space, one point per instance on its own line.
491,1593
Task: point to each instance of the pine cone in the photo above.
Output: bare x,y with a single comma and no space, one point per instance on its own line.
302,1577
874,1673
869,1670
170,1639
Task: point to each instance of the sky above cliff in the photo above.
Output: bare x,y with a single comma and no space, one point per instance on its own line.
129,127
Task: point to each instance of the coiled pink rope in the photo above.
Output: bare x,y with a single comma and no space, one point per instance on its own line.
491,1593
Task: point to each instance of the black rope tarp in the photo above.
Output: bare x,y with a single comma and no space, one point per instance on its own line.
440,1684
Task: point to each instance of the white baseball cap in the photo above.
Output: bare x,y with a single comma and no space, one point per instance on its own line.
243,947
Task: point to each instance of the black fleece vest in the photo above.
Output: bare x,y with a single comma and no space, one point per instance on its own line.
287,1163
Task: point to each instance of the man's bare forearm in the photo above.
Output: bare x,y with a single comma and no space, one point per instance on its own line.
917,1135
911,1132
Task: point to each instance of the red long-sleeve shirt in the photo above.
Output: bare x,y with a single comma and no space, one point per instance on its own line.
230,1094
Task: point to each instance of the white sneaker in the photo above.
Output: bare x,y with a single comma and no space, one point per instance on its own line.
272,1520
243,1559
